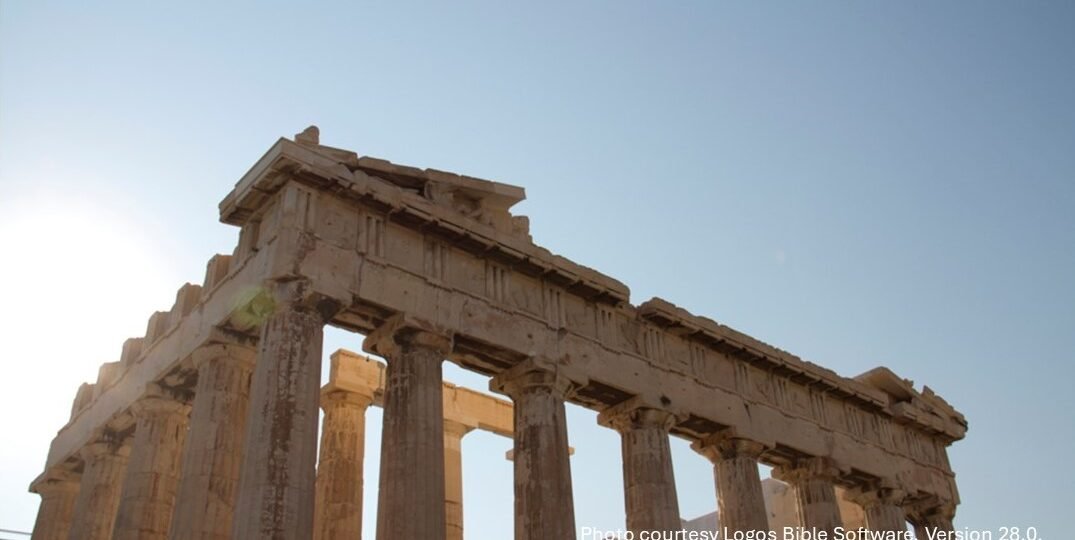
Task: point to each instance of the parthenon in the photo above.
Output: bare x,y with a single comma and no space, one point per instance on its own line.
208,425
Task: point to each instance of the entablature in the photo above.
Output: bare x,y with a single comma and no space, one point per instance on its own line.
417,209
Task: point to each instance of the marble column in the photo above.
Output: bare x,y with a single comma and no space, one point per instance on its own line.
58,490
148,497
740,502
544,505
882,505
410,503
928,520
812,479
99,491
339,469
209,475
453,477
277,475
649,485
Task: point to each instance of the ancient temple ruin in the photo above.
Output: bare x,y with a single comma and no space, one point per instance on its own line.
207,427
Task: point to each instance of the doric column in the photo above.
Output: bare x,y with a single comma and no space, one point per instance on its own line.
58,490
145,508
410,505
882,505
740,502
649,486
209,475
544,506
277,476
815,492
932,517
453,477
339,469
99,491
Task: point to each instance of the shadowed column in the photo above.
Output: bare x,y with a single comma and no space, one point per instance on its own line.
649,485
453,477
410,503
277,476
930,518
339,469
815,492
882,505
209,475
99,490
740,502
544,506
58,490
145,508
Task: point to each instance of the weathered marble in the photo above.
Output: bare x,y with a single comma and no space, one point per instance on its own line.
58,490
277,475
99,491
339,469
544,503
740,501
454,432
649,485
330,237
464,411
148,498
812,479
930,517
209,475
882,505
410,505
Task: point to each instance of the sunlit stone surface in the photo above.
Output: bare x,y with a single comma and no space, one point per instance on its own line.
434,267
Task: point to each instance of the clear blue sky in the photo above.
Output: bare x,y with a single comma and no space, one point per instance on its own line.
859,183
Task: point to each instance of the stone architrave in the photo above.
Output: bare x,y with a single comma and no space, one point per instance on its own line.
209,475
99,491
649,485
148,498
410,505
544,504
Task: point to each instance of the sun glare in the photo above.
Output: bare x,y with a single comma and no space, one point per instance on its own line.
77,280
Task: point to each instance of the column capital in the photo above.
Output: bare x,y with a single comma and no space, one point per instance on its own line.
335,397
274,296
106,444
536,374
929,510
55,480
457,428
881,492
159,399
809,468
241,355
638,412
299,295
944,511
401,332
727,444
